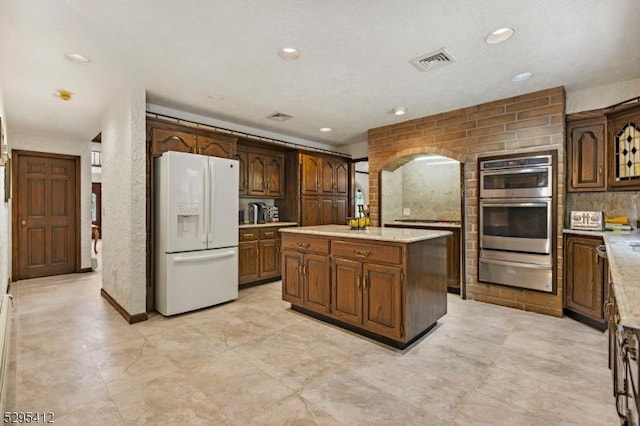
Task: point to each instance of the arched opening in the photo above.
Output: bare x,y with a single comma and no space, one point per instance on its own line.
425,189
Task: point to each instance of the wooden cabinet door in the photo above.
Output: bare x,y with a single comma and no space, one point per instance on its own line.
327,211
453,260
163,140
382,304
341,210
310,211
586,154
248,261
274,176
292,262
624,147
256,174
215,147
243,182
311,174
316,283
327,182
269,258
584,279
346,290
341,178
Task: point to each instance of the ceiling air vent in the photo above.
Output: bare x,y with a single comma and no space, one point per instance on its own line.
278,116
432,59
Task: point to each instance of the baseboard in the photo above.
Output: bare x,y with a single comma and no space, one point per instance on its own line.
83,270
131,319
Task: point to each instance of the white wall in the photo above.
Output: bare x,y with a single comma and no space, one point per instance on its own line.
356,150
25,140
124,201
5,217
602,96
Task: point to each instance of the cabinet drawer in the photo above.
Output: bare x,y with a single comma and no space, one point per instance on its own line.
307,244
268,233
248,235
369,252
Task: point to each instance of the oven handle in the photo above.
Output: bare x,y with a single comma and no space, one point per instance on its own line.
503,204
518,264
515,170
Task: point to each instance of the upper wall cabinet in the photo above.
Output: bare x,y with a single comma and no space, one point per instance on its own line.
624,150
586,145
324,175
262,173
167,136
603,149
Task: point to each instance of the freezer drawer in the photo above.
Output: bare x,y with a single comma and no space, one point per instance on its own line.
517,274
193,280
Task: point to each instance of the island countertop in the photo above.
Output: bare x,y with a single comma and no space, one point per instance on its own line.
623,253
399,235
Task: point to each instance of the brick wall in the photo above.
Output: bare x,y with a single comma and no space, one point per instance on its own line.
531,122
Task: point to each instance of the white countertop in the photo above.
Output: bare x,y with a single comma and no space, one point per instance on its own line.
266,225
427,224
624,266
399,235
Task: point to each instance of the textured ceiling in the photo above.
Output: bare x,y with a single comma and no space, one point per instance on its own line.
353,70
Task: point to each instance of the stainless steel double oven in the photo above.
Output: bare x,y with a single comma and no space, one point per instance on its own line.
516,222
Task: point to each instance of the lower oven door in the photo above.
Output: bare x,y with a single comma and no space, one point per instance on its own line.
519,225
533,276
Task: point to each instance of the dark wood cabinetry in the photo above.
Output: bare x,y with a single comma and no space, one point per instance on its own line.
392,290
586,146
586,280
168,136
305,272
258,254
624,363
602,147
324,189
261,173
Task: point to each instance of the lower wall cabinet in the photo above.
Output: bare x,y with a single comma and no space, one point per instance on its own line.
586,280
259,254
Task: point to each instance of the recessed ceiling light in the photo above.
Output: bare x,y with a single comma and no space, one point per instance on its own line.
499,35
399,111
289,53
325,129
77,58
523,76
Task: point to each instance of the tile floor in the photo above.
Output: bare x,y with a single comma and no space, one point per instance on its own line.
254,361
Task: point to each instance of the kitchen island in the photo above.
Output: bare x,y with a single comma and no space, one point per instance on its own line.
389,284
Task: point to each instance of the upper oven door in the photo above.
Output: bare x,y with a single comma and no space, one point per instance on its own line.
521,225
517,182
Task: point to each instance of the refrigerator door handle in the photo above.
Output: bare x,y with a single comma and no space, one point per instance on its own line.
215,256
204,212
210,198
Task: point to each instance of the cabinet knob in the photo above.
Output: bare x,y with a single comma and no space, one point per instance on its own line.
23,223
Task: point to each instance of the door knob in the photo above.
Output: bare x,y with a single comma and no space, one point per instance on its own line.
23,223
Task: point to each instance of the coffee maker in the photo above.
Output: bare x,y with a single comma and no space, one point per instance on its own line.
257,212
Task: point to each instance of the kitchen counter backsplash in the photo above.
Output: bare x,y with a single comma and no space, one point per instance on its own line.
611,203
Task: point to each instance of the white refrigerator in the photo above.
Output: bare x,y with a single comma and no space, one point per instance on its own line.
196,251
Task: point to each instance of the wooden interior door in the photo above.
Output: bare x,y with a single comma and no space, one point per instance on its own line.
46,218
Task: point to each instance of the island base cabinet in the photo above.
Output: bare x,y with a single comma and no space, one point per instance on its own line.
390,291
382,294
346,294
